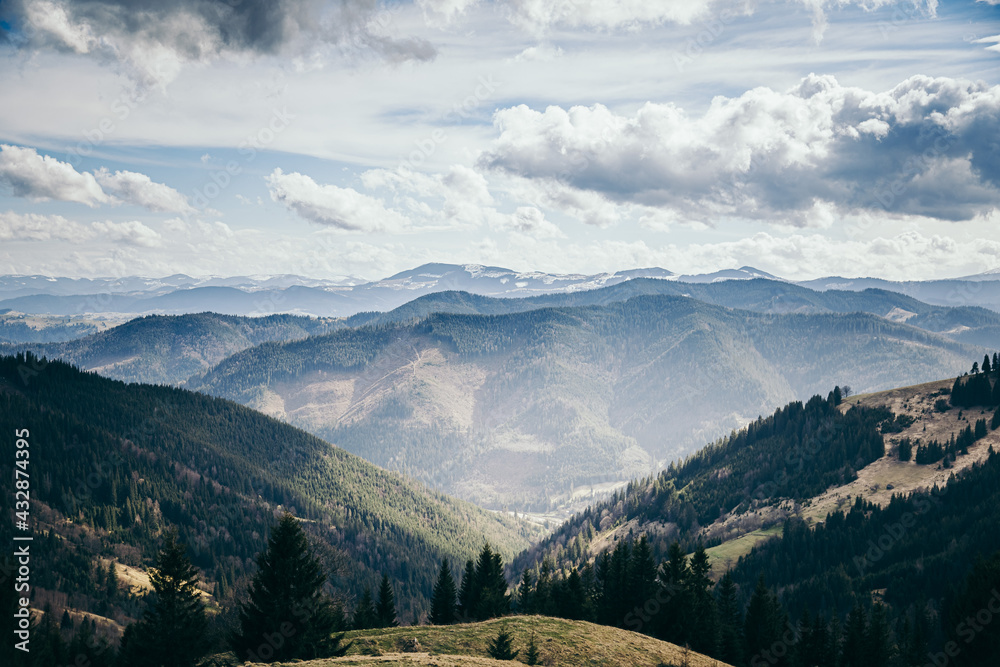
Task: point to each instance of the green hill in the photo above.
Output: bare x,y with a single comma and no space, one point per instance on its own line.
544,408
169,349
561,643
112,465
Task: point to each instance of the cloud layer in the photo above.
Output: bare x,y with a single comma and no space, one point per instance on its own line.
343,208
927,147
154,40
41,177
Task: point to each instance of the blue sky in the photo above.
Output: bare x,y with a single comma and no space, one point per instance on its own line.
212,137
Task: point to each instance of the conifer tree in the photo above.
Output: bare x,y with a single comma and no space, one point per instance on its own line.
702,626
542,595
111,582
762,626
501,647
468,593
978,593
385,606
642,574
730,621
47,647
672,624
365,616
855,638
172,630
288,615
531,655
878,648
491,597
524,594
443,599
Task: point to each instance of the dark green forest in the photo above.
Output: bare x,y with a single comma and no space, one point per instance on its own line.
113,465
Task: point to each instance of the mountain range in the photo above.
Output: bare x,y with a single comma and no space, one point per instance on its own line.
346,296
531,410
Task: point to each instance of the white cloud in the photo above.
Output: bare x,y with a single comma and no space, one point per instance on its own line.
343,208
35,227
132,233
135,188
926,147
155,42
40,177
528,221
994,40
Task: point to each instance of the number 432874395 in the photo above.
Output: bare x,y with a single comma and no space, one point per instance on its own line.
22,482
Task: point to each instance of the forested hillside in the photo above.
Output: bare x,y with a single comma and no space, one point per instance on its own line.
530,410
169,349
113,465
892,578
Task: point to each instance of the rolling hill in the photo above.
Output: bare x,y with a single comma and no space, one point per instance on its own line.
543,408
113,465
818,500
967,323
169,349
562,643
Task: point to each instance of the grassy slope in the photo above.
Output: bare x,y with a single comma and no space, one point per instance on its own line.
561,643
874,479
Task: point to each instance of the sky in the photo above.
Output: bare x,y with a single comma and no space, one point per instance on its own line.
807,138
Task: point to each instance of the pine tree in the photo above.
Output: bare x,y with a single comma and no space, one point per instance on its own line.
531,655
501,647
111,582
878,648
47,647
855,633
978,593
491,596
365,616
172,630
385,606
287,614
730,623
986,364
524,596
66,623
703,625
468,593
443,600
672,622
762,626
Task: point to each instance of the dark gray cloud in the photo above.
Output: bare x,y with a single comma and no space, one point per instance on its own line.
154,38
927,147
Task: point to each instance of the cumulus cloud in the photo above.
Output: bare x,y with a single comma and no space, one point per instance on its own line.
135,188
40,177
154,40
343,208
457,198
132,233
528,221
35,227
927,147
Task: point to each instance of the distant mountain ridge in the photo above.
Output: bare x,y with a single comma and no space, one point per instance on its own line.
526,409
346,296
